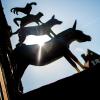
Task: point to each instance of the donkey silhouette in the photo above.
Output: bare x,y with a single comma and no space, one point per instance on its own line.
52,50
44,29
28,19
26,10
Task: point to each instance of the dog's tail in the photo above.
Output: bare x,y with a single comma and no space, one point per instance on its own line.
15,21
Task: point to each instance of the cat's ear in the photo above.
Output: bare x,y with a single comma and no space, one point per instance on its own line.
53,17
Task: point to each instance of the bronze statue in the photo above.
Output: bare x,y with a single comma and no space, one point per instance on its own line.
52,50
26,10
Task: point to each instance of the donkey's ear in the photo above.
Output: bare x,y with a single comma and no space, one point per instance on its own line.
74,26
53,16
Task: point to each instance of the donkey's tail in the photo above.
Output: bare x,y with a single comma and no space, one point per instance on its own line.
15,21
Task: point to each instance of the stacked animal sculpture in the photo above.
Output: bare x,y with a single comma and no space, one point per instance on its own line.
52,50
43,29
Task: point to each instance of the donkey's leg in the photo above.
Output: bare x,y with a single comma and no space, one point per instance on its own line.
71,62
75,59
21,67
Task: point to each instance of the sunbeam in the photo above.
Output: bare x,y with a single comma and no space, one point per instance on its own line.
39,53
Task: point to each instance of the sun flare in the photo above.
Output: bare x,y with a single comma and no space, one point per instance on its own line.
40,40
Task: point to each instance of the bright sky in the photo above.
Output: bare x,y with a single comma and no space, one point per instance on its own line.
87,13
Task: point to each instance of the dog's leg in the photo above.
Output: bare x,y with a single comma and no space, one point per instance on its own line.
52,33
41,22
38,23
50,36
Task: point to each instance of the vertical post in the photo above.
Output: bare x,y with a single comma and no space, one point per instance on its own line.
5,49
3,87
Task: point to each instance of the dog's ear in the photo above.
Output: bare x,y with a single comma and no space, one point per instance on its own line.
53,17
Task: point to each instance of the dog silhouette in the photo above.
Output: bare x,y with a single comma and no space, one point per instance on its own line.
44,29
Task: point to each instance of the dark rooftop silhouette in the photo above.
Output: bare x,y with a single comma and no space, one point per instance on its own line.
85,83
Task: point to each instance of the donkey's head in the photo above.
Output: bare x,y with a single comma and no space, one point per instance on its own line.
54,21
79,35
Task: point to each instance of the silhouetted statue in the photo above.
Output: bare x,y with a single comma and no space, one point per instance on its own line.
44,29
52,50
29,19
26,10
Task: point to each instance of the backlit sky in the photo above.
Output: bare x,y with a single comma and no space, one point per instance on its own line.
87,13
